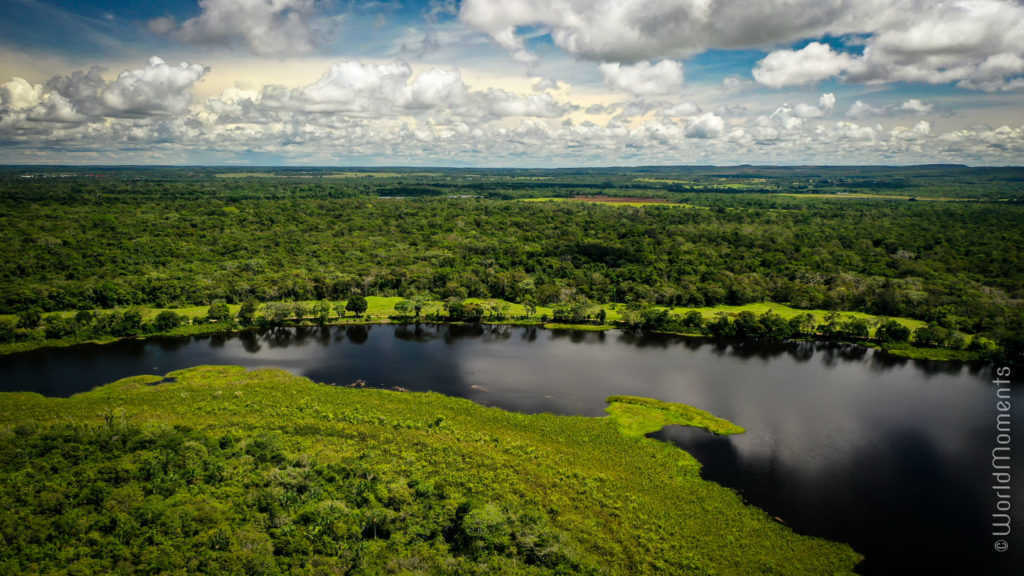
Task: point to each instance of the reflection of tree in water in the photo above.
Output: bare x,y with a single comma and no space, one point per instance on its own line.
322,335
358,334
417,332
495,333
250,340
529,333
171,344
218,340
932,367
279,337
453,332
801,351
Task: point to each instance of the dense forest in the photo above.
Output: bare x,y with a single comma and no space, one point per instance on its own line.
222,471
940,244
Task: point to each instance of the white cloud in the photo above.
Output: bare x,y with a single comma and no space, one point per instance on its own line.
55,108
861,110
681,109
386,90
266,27
643,78
915,106
391,113
812,63
18,94
707,125
977,44
618,31
827,102
156,88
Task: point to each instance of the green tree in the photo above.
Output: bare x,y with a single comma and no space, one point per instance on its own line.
404,307
7,329
357,305
30,318
219,312
300,310
277,312
530,306
418,302
57,326
892,331
322,312
166,320
247,312
693,319
127,324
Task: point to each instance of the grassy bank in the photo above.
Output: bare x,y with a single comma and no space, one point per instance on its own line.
219,470
381,309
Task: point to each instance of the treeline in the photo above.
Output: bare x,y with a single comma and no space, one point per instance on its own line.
81,245
33,326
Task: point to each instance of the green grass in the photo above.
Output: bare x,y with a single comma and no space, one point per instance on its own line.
636,416
381,309
225,470
636,203
579,327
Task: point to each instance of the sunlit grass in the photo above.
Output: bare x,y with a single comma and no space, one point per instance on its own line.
619,503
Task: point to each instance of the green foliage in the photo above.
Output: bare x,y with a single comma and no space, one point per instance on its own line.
356,305
247,312
322,312
219,312
636,416
167,320
459,311
890,331
223,471
30,318
405,307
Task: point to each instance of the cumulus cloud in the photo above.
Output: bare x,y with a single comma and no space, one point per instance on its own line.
976,44
379,90
388,112
681,109
267,27
643,78
617,31
826,104
18,94
861,110
707,125
812,63
915,106
156,88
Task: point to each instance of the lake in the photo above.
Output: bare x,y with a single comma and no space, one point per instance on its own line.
892,456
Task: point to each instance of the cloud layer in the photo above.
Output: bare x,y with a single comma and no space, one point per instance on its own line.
390,113
978,44
266,27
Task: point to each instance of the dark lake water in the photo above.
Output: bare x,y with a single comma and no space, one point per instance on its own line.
889,455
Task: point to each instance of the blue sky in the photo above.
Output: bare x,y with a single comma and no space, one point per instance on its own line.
512,82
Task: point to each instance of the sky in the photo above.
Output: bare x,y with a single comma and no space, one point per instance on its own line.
512,83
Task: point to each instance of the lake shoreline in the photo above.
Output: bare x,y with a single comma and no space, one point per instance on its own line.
216,329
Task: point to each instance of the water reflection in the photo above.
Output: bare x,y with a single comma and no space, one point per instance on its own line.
886,453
